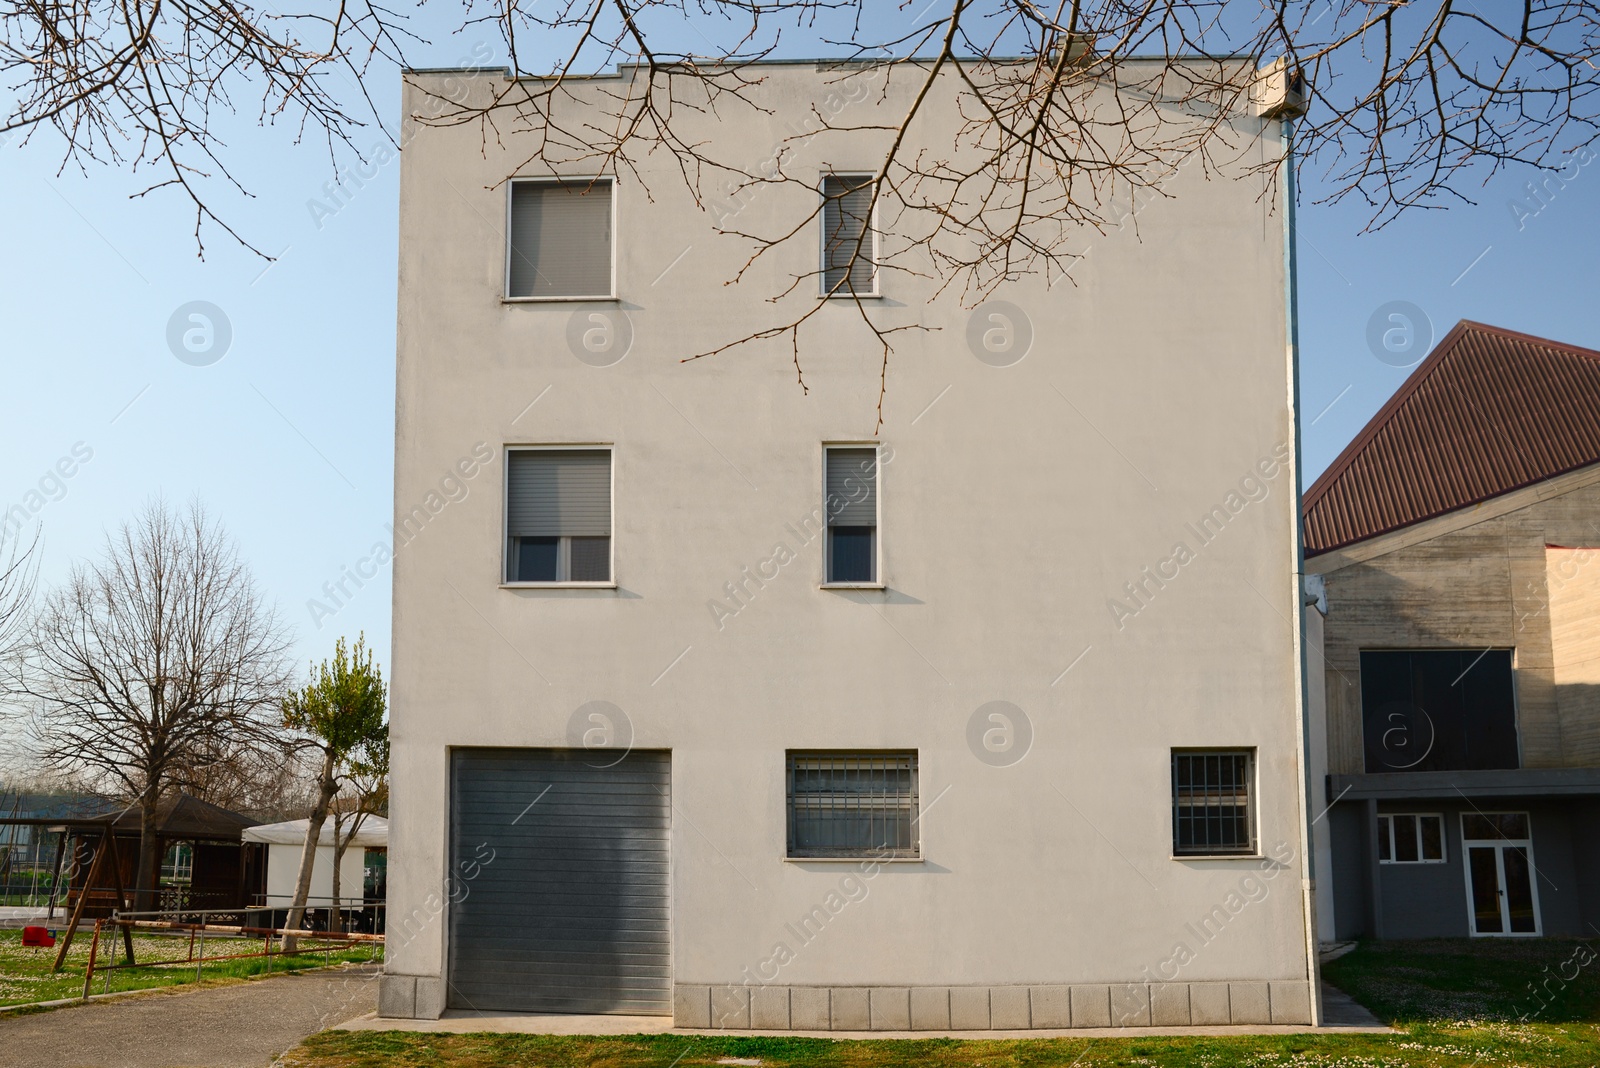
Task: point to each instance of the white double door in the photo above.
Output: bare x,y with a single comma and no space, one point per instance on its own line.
1502,887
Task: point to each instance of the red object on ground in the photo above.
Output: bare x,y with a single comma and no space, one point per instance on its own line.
38,937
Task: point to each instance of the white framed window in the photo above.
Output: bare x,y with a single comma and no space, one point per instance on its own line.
846,803
558,515
849,236
850,505
1213,802
1410,838
560,238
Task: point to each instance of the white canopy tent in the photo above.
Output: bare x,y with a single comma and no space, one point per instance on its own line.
284,841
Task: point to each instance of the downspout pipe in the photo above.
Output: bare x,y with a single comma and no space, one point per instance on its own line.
1292,343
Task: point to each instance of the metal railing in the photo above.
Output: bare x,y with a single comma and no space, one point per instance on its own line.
354,914
231,934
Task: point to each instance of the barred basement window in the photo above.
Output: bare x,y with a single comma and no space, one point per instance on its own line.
1213,807
853,804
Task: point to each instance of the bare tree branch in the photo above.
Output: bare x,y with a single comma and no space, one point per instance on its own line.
1064,109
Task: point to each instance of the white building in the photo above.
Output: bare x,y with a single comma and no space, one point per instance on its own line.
286,841
713,699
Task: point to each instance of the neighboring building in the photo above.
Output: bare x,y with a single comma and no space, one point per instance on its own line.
1457,541
218,870
25,844
709,699
286,841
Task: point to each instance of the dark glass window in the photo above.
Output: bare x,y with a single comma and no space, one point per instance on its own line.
536,559
1410,838
1431,831
850,554
1495,826
1213,810
1438,710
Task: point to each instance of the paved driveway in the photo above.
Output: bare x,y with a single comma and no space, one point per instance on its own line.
244,1025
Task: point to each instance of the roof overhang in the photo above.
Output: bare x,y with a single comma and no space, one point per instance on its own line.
1469,785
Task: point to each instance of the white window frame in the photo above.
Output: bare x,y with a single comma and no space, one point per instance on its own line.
877,519
505,282
505,519
1500,868
1386,828
844,293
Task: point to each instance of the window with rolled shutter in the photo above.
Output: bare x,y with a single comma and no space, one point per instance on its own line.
851,506
558,515
559,241
849,244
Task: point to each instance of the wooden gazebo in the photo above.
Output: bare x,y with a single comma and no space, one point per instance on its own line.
104,850
227,871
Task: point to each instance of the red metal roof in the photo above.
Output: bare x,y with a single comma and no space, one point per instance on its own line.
1489,411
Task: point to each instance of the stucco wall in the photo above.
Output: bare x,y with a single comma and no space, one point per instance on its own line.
1019,504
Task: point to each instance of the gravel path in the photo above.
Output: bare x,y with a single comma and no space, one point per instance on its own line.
243,1025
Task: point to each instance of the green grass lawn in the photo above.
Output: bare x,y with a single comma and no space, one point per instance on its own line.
25,973
1458,1004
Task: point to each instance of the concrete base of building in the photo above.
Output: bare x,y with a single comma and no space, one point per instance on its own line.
1115,1007
990,1008
410,997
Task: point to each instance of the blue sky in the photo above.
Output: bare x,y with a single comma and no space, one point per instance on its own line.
288,437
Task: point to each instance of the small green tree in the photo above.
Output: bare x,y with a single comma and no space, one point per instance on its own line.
341,712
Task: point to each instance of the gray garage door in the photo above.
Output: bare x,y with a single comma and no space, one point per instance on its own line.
570,914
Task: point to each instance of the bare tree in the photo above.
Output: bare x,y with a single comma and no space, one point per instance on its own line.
270,780
149,83
1404,96
151,664
19,574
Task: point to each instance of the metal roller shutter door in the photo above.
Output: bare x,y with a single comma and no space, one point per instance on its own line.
571,914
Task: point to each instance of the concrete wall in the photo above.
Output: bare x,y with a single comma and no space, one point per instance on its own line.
1020,506
1478,578
1346,872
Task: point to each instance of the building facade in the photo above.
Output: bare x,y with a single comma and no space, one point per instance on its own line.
714,698
1457,542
